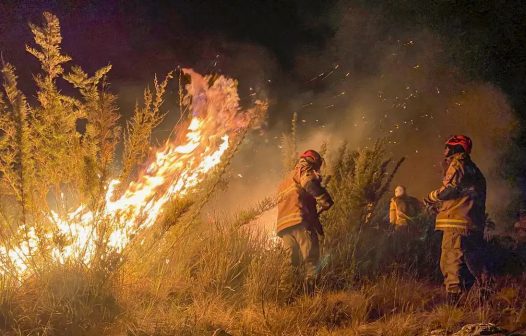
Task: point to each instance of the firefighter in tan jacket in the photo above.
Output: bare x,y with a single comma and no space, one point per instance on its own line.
300,199
403,208
461,215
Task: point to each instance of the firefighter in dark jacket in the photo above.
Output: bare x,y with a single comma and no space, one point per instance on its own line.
301,197
460,204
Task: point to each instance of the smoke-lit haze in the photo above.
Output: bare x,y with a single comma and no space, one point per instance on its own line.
369,83
351,73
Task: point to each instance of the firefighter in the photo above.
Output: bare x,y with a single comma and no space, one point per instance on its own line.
403,208
460,205
301,198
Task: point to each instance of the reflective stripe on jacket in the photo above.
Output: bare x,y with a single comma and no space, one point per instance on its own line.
462,196
298,195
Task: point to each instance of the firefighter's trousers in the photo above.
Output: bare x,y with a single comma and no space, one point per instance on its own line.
462,259
302,245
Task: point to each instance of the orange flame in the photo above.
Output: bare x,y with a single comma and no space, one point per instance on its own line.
174,171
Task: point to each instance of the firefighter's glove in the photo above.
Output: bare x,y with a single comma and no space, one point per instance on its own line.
311,183
324,201
431,206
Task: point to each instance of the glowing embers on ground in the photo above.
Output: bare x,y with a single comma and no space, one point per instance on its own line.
174,171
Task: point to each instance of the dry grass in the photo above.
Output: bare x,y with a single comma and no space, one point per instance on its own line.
232,286
220,278
226,282
62,301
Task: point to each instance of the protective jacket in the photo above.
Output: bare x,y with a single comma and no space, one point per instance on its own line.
462,197
403,209
298,196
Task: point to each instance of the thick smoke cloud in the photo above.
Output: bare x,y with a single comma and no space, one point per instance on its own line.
372,81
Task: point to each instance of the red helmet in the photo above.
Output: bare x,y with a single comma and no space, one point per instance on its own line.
313,157
460,140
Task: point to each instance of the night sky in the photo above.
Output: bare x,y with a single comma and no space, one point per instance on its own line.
266,44
140,37
486,38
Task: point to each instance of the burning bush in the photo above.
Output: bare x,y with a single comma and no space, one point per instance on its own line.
48,166
61,207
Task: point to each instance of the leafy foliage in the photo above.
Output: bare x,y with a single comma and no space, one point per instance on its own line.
46,160
139,129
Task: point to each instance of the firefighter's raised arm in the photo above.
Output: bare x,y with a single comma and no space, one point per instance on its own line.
311,182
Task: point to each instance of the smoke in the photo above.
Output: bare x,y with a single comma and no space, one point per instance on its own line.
370,79
373,81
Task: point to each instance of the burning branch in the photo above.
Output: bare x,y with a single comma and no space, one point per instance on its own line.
202,145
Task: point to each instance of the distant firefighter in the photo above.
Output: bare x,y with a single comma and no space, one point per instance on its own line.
403,208
301,199
461,216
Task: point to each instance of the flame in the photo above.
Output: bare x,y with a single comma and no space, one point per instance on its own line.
174,171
